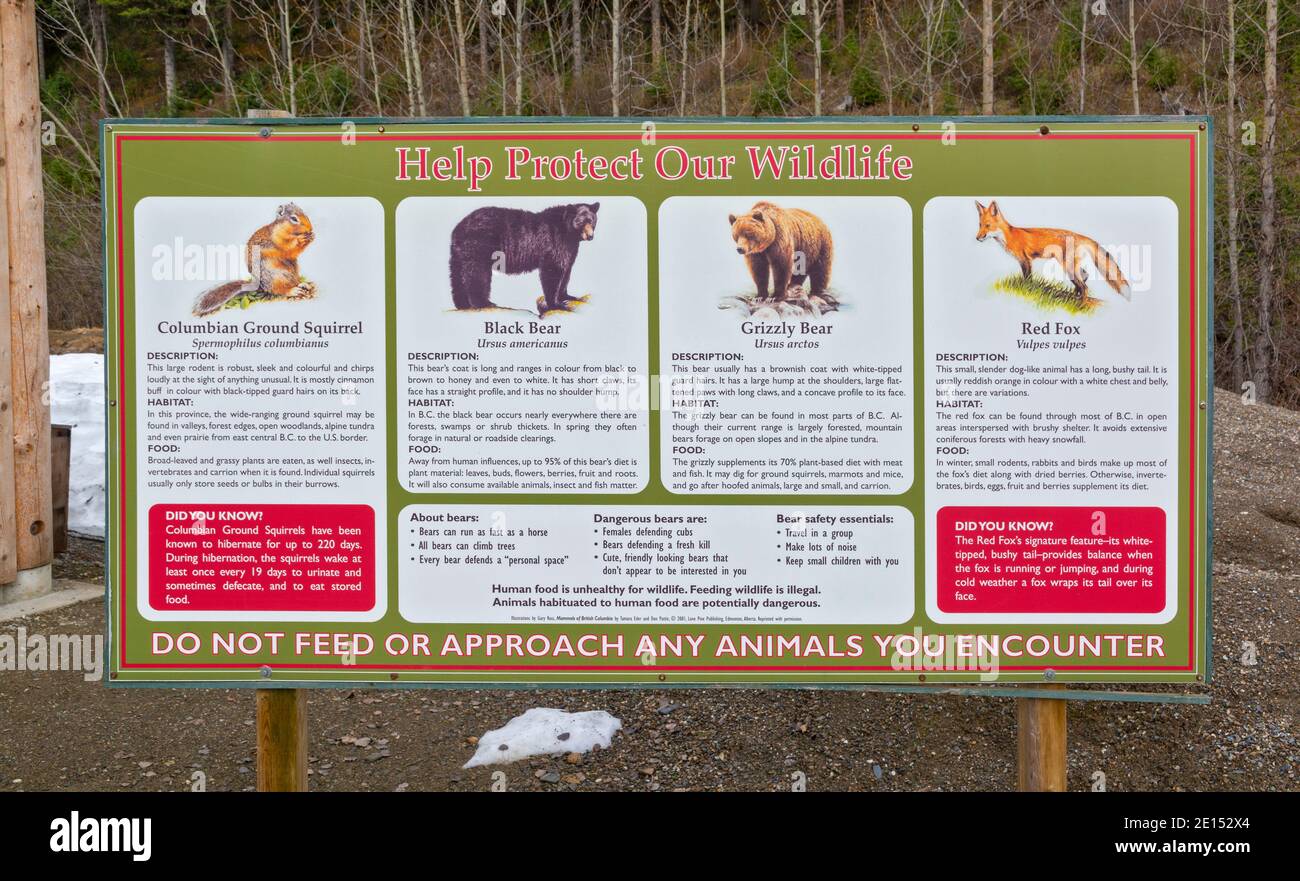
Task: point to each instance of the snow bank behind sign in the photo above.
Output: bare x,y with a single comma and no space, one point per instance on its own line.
77,399
542,731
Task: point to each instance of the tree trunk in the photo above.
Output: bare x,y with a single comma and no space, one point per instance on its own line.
221,43
722,52
99,36
889,64
169,71
987,67
416,65
358,8
519,57
406,59
1239,371
228,47
286,46
501,55
577,38
616,56
314,17
1083,54
555,57
1263,349
656,33
1205,77
934,10
315,25
1133,58
374,62
462,64
686,48
482,18
817,56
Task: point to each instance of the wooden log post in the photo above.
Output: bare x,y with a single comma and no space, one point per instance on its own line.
60,468
1041,742
29,345
8,519
281,740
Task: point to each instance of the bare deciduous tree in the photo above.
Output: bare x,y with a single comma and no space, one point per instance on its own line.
82,36
884,48
577,37
1133,58
1239,370
1083,55
555,58
462,66
722,54
616,56
1263,349
816,8
481,17
686,53
656,32
520,24
169,69
986,58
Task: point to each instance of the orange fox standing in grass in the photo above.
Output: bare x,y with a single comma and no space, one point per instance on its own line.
1067,248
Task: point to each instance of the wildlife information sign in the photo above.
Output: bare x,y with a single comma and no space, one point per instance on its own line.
658,402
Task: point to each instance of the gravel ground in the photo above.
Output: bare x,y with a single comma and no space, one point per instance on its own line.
60,732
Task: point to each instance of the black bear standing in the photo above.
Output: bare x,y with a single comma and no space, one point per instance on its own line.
514,241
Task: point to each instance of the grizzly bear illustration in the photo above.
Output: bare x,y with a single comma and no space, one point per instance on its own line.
515,241
786,245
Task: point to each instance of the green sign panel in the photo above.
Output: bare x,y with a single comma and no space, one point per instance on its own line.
616,402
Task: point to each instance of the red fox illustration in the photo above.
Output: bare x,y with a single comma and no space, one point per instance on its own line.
1067,248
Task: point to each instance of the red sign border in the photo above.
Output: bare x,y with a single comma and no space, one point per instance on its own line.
1190,137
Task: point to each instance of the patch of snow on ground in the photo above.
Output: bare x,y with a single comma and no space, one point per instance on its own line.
77,399
543,732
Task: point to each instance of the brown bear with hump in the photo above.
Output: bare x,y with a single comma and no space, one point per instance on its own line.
770,237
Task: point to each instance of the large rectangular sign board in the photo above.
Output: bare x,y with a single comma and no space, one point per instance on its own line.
620,402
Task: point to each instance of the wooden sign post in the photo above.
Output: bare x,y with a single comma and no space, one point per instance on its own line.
1041,743
26,548
281,712
281,740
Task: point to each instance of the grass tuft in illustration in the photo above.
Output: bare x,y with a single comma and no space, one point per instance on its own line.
244,299
1047,293
569,304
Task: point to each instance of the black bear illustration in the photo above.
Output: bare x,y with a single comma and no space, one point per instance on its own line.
514,241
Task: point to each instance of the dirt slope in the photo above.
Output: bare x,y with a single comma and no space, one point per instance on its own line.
76,340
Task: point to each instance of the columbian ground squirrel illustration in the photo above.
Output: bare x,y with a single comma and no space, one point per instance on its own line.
272,255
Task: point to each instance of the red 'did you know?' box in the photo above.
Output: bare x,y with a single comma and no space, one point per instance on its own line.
262,557
1051,559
